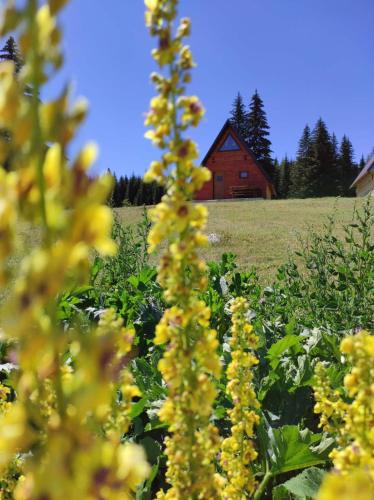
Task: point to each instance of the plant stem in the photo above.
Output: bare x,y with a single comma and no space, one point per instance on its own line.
261,489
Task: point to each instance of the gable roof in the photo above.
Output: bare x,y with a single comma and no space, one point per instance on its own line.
369,166
228,125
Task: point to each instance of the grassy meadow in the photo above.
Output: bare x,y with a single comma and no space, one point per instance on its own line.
262,232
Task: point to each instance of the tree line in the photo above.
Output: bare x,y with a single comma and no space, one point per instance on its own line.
134,191
322,167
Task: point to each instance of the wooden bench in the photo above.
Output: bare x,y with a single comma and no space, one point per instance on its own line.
245,192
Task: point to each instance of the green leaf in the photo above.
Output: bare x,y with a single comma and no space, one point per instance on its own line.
280,347
155,424
144,491
152,448
138,407
290,449
304,486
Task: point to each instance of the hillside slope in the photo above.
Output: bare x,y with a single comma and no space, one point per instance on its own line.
262,232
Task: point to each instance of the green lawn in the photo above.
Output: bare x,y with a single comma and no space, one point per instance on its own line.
262,232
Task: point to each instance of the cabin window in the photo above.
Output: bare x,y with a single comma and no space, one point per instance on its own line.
244,174
230,144
219,178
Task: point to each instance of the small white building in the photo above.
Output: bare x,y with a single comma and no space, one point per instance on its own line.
364,182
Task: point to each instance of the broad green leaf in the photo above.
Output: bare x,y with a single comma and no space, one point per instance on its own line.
304,486
280,347
138,407
152,448
291,449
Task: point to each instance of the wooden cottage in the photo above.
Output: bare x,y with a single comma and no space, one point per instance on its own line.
235,170
364,182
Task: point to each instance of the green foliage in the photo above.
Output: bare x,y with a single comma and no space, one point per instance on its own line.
238,116
304,486
258,133
131,257
322,168
284,178
319,295
254,129
134,191
347,169
333,287
288,448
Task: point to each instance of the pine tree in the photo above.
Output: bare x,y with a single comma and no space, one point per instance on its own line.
347,167
285,178
239,116
132,189
276,175
115,193
362,163
302,172
122,184
258,133
370,155
335,167
323,165
10,52
139,197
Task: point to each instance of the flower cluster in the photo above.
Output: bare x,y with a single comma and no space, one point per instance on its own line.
237,450
353,475
4,398
66,418
190,361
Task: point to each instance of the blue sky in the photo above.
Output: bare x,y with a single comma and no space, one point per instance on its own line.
307,58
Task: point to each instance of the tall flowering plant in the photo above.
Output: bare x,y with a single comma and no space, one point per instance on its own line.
238,451
349,414
67,421
190,359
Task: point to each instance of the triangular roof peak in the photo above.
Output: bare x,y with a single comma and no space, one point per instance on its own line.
228,126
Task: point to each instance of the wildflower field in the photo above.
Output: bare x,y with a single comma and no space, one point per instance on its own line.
189,380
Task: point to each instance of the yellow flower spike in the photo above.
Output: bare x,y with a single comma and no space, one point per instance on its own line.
351,422
58,407
238,449
190,358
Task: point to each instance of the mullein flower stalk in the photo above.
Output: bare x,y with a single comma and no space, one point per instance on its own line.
237,451
350,416
190,361
65,421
